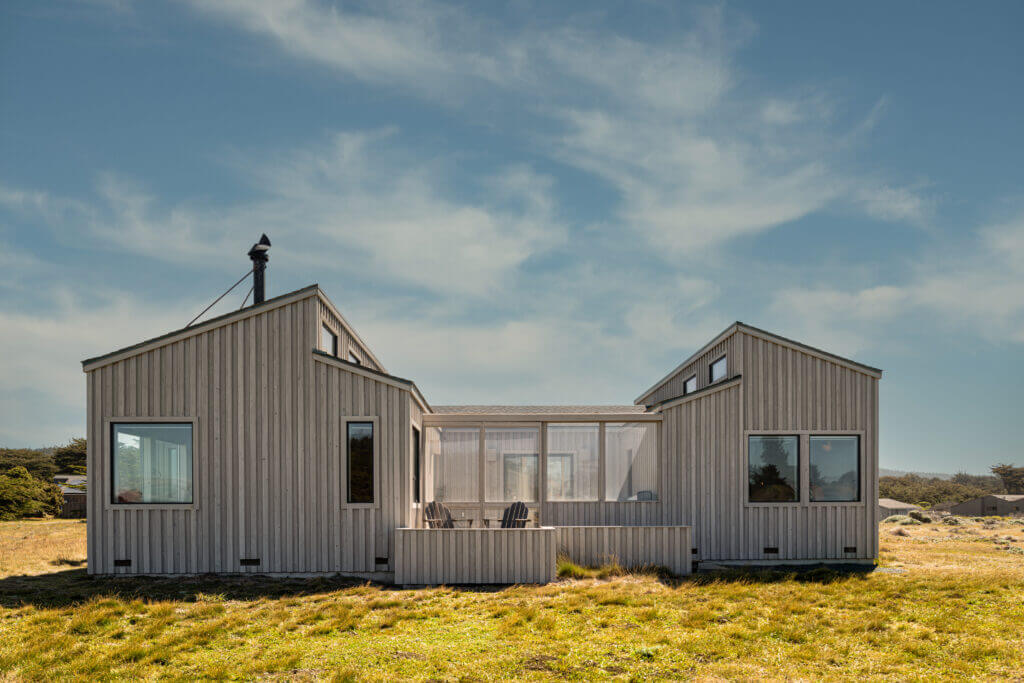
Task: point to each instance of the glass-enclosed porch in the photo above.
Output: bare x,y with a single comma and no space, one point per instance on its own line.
478,465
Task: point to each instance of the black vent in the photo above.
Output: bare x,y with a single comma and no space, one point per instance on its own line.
122,563
850,549
249,562
770,550
381,560
693,551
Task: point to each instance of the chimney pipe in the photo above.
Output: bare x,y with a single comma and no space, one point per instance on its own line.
259,257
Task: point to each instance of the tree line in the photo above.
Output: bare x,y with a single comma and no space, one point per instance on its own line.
26,478
913,488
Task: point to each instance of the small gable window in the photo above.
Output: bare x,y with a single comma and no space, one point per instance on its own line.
328,340
353,358
690,386
718,369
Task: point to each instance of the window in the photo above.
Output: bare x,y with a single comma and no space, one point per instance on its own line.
631,461
455,455
353,358
834,464
690,386
772,469
415,465
152,462
511,458
717,370
573,467
328,340
360,462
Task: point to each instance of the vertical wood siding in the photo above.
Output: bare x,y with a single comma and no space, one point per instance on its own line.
783,390
630,546
700,366
474,556
268,454
346,342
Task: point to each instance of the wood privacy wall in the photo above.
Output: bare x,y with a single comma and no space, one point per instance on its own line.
474,556
783,391
630,546
269,453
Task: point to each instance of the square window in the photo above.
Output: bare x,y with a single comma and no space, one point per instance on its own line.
773,466
151,462
690,386
834,464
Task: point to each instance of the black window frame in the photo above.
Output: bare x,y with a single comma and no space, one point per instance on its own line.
416,495
324,327
860,470
797,487
711,369
348,462
354,358
112,498
686,389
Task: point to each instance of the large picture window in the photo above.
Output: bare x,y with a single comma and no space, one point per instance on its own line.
511,464
631,461
834,464
773,466
151,463
360,462
573,461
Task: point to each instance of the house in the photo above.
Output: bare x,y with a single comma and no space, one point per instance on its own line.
72,486
887,507
273,440
995,505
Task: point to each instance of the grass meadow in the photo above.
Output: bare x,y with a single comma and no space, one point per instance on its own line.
947,602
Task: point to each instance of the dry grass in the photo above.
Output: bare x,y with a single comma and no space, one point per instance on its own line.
948,604
38,546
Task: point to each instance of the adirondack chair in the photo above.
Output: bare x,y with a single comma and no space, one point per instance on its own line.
515,516
438,516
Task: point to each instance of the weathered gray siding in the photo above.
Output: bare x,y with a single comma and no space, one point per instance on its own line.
268,453
700,366
630,546
347,340
468,556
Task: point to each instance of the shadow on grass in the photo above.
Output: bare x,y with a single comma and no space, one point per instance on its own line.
74,586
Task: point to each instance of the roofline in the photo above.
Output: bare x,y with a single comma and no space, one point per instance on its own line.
378,375
700,393
440,419
90,364
770,336
722,336
348,327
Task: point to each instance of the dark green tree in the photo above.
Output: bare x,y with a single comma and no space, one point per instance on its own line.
22,495
70,458
1013,477
39,463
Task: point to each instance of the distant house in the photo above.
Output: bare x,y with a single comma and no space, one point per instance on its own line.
73,488
887,507
1001,505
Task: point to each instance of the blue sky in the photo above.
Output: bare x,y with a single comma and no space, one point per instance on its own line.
539,203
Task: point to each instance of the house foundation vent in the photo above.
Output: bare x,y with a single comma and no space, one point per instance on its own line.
771,550
122,563
850,549
381,560
249,562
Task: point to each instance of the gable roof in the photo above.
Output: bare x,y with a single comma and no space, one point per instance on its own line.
380,375
764,334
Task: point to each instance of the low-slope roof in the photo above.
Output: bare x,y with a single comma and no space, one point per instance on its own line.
893,503
1009,497
537,410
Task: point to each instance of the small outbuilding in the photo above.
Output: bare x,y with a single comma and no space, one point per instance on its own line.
72,486
1000,505
887,507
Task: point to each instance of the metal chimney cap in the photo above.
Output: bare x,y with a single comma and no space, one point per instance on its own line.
261,246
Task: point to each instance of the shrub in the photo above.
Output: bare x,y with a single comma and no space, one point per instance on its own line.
919,515
952,520
22,495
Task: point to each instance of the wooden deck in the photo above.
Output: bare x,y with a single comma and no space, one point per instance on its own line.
512,556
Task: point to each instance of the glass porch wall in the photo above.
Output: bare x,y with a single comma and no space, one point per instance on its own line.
454,457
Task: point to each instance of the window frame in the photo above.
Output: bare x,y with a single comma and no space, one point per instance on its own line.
799,469
860,467
107,460
693,378
804,468
354,358
344,464
416,436
711,373
334,338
